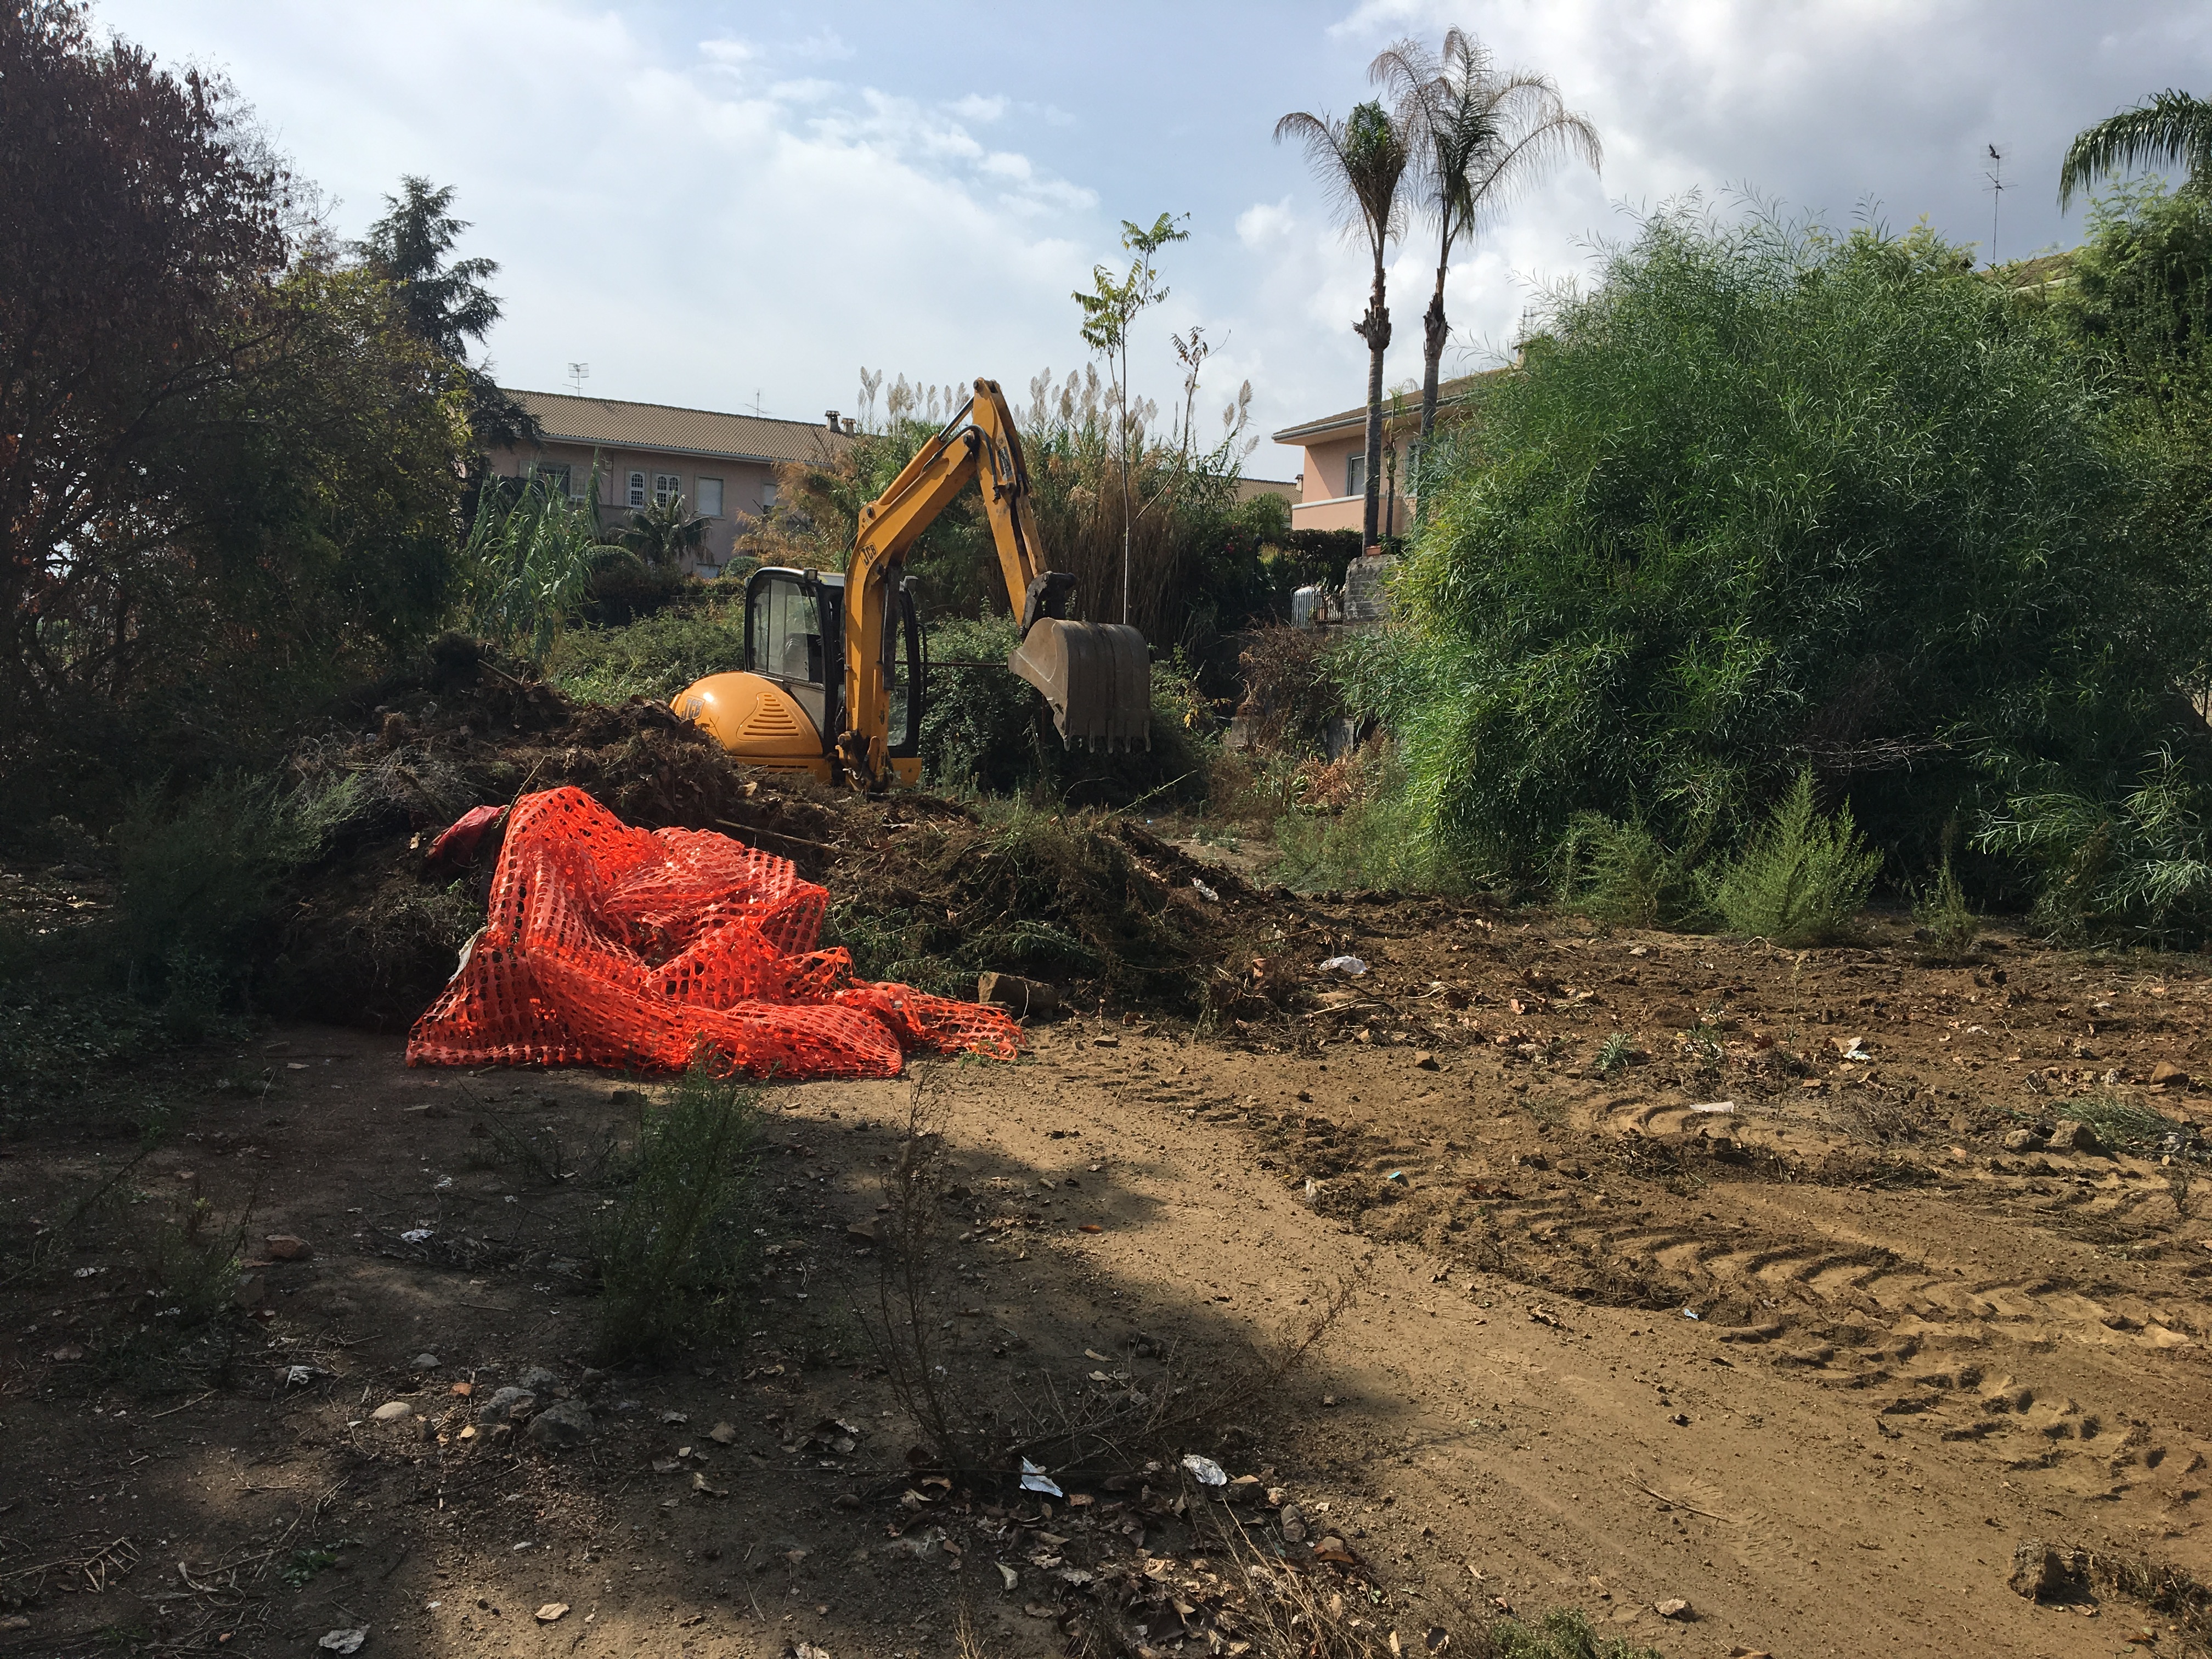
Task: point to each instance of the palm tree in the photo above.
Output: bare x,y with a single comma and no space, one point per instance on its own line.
1477,135
663,533
2172,127
1361,160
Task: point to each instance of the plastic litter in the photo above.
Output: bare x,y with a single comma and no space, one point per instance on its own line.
635,949
1351,966
464,837
1716,1106
1204,891
1691,1313
1209,1472
1033,1479
416,1235
344,1641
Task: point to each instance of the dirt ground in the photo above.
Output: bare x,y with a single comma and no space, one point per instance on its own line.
1753,1308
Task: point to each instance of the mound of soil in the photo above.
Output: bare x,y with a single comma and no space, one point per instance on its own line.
923,890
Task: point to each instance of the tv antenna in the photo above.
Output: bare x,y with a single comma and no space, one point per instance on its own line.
1995,173
756,401
578,373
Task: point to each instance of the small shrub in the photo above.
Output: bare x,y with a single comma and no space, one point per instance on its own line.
188,1326
191,1006
1620,872
2139,865
200,875
1802,878
670,1251
1291,697
1943,911
985,730
655,657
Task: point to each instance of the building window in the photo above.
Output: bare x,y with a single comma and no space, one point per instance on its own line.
637,490
1355,476
666,487
767,496
554,476
710,498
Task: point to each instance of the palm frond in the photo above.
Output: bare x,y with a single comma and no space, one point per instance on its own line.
2173,127
1360,164
1478,134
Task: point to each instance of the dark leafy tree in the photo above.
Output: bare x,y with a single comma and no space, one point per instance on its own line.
1361,162
141,244
445,301
227,476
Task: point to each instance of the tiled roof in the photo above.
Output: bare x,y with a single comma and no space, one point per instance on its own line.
1448,391
617,425
2044,270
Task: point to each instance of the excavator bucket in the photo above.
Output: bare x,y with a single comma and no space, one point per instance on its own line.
1096,677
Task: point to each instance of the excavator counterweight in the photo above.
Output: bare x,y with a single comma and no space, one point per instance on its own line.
834,681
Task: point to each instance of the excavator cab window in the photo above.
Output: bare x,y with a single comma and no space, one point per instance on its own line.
785,633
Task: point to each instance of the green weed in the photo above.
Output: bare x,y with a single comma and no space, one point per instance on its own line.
1620,872
655,657
1563,1633
669,1250
200,875
1378,841
1943,911
2128,1125
1615,1052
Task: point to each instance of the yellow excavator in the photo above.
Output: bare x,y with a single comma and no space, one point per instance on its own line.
836,677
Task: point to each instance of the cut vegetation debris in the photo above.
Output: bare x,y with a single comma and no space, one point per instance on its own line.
927,892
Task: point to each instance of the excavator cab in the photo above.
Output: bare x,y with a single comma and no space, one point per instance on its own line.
783,709
795,638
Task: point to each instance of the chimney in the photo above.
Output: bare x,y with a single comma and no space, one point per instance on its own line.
849,424
832,414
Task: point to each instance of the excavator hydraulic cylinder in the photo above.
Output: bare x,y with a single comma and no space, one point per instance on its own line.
1097,678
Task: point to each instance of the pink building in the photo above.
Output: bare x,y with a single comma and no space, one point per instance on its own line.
1332,484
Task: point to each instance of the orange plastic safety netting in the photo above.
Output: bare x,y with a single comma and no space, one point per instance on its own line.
611,945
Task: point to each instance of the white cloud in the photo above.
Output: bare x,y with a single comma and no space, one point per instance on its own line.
778,203
1265,223
692,236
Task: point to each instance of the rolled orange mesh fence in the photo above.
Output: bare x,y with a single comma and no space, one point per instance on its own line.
611,945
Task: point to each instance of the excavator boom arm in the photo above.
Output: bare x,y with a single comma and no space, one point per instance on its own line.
1096,676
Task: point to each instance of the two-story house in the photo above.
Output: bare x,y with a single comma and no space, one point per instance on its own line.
1333,483
723,466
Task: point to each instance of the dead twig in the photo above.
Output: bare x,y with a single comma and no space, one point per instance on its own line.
187,1407
1677,1503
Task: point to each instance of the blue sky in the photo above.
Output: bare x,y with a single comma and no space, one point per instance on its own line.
712,204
